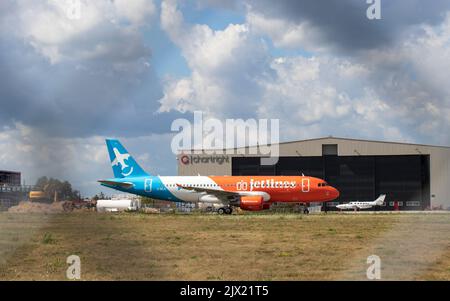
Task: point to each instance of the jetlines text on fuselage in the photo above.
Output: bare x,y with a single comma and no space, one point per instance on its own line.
268,183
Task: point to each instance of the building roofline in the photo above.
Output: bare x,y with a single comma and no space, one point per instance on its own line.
10,171
365,140
330,137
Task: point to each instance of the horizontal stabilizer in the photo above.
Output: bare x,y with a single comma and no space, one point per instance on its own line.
125,185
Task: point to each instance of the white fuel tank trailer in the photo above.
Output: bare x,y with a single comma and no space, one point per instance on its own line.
117,205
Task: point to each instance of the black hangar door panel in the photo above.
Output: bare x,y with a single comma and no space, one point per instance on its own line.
296,166
353,176
400,178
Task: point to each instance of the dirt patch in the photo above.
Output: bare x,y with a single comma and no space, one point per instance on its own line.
30,207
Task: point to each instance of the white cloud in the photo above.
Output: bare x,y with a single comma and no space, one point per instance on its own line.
284,33
136,11
88,68
316,95
399,93
225,65
312,98
178,96
91,32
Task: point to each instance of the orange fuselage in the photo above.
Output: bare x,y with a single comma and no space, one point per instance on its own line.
281,188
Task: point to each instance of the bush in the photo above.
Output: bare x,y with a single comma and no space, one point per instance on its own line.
48,239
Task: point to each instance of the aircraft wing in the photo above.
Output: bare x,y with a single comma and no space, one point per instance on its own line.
224,195
221,194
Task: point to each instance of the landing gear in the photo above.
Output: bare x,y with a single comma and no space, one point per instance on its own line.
225,210
303,207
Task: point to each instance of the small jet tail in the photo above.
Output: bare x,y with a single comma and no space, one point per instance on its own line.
380,200
122,162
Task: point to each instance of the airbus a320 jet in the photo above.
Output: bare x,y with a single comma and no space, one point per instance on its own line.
247,192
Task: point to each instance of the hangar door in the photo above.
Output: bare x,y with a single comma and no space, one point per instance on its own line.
405,179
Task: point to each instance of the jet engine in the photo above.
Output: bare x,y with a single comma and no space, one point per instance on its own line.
252,203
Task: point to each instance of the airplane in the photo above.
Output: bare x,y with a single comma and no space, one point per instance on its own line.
251,193
362,205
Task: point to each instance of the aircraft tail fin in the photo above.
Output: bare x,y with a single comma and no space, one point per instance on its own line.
123,164
380,200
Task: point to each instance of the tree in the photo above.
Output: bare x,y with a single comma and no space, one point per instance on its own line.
40,183
100,196
64,190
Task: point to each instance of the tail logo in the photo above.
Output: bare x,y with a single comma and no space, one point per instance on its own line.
120,160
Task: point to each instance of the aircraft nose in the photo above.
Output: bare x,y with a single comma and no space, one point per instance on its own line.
334,193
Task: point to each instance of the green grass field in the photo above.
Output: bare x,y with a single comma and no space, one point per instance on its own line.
210,247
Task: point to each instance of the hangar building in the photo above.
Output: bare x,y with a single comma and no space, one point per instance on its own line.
415,176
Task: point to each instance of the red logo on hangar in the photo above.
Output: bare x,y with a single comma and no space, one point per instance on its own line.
184,159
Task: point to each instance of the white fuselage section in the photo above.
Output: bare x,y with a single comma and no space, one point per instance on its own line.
172,182
356,205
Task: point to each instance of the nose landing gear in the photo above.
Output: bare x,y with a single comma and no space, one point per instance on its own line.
303,207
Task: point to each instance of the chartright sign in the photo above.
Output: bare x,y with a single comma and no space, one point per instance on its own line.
190,159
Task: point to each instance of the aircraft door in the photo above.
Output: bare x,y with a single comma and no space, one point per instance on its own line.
305,185
148,185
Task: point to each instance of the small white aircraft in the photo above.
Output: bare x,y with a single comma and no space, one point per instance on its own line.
362,205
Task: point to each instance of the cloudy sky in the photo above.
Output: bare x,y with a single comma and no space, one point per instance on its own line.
128,68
